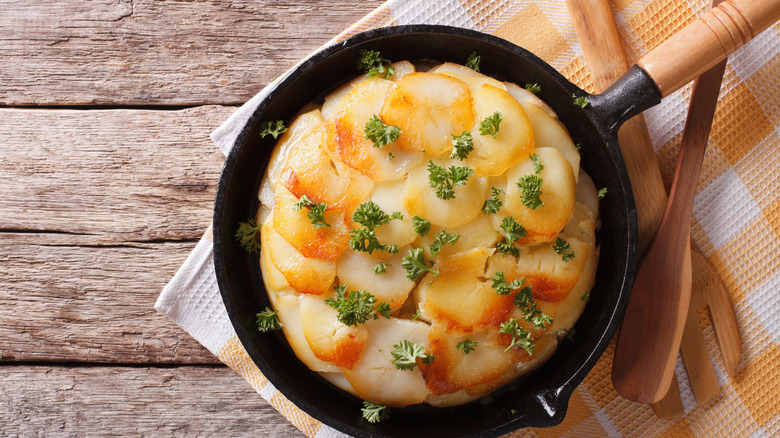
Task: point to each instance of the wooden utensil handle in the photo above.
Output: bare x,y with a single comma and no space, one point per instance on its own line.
707,41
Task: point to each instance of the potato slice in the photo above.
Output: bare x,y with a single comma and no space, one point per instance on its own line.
557,193
420,198
375,378
329,339
398,231
272,277
309,276
429,108
474,79
478,233
514,141
392,287
587,194
333,100
289,307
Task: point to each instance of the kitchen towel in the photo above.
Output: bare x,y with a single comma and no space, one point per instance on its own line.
736,216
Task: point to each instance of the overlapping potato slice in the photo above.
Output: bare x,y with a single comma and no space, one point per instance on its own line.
309,276
514,141
302,125
349,144
587,194
329,339
392,287
557,193
325,243
333,100
272,277
420,199
460,298
289,307
472,78
549,132
429,108
398,231
375,378
478,233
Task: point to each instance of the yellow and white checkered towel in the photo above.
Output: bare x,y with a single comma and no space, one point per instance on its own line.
736,216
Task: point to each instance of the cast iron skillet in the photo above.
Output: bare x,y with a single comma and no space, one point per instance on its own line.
538,399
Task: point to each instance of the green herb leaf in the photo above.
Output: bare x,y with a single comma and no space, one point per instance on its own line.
520,336
502,287
538,167
508,248
357,307
374,413
578,146
533,88
380,268
489,126
267,320
562,248
531,191
535,316
462,145
421,226
373,64
466,346
445,181
514,231
440,239
473,61
370,215
380,133
493,203
415,264
416,315
581,101
397,215
247,234
275,129
602,193
405,355
585,297
316,211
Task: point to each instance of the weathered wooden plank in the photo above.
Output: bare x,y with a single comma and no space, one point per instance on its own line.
119,175
117,401
65,300
141,52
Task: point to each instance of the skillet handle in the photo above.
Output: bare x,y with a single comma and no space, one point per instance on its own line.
707,41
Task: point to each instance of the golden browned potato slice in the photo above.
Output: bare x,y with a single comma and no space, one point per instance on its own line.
332,100
557,193
514,141
392,287
350,144
325,243
301,126
375,378
309,276
329,339
474,79
478,233
460,298
420,199
311,172
429,108
289,307
272,277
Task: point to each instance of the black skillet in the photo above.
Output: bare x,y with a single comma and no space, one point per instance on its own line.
538,399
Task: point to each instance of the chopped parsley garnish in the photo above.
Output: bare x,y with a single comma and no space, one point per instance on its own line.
466,346
440,239
405,355
533,88
445,181
247,234
493,203
416,315
415,264
514,232
374,65
538,167
268,320
421,226
520,336
380,268
380,133
316,211
374,413
578,146
581,101
489,126
502,287
473,61
397,215
275,129
562,248
370,216
531,191
462,145
524,300
357,307
602,193
585,297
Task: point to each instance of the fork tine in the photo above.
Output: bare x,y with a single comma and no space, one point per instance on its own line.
697,360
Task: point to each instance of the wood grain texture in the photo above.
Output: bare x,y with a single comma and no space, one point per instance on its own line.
168,52
116,175
121,401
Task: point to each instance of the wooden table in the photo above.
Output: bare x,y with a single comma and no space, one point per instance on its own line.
107,181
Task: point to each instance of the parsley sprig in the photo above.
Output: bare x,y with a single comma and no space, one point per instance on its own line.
445,180
357,307
247,234
380,268
405,355
421,226
374,413
531,191
581,101
514,232
374,65
466,346
364,239
462,145
268,320
316,211
524,300
415,264
538,166
520,336
380,133
493,203
489,125
274,129
563,249
602,193
473,61
533,88
440,239
502,287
